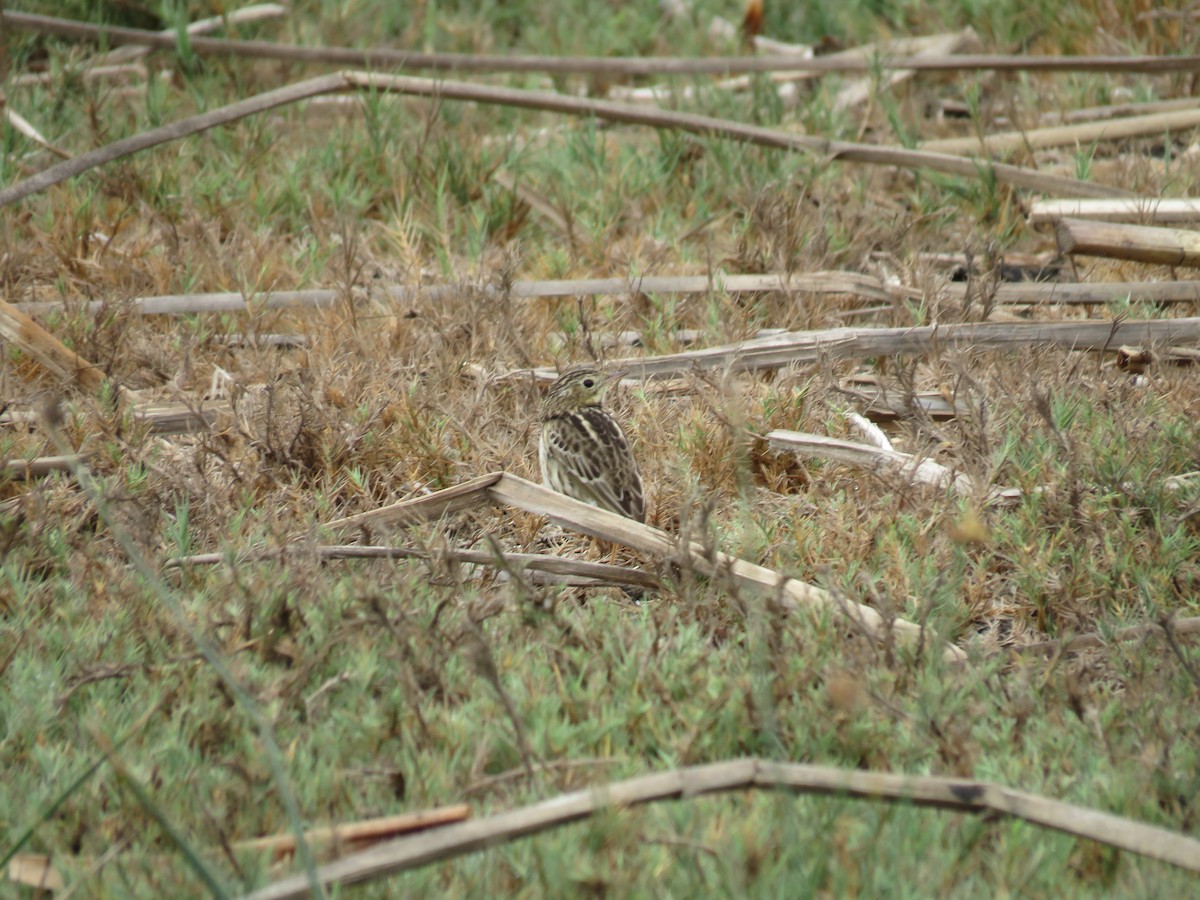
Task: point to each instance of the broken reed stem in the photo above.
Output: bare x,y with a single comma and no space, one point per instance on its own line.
1143,210
19,329
882,461
374,830
1070,135
741,775
1025,293
805,347
551,102
509,490
26,469
532,562
938,47
382,58
1140,243
833,282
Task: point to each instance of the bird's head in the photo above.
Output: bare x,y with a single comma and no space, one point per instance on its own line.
578,388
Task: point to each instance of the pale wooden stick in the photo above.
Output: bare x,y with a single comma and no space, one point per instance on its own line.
178,417
25,469
607,339
134,70
1141,243
581,570
943,45
372,830
509,490
441,503
21,124
788,81
1070,135
724,128
551,102
790,593
163,418
1112,111
18,329
1143,210
849,283
749,774
381,58
873,459
1031,293
880,403
35,870
253,13
806,347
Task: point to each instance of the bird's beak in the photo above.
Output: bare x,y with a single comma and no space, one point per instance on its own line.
614,377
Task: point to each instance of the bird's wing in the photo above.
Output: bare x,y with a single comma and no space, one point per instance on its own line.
596,460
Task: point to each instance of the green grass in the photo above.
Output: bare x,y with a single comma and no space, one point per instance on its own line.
117,733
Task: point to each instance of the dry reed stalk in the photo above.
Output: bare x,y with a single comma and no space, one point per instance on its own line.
808,347
255,13
579,571
509,490
551,102
833,282
1069,135
787,82
19,329
365,831
26,469
750,774
380,58
1031,293
1140,243
1142,210
941,45
888,462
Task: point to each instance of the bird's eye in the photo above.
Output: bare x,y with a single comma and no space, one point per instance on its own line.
589,383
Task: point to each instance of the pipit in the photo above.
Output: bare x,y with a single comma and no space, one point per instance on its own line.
583,451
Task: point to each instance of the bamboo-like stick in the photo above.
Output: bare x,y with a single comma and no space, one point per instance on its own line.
787,83
834,282
579,570
1141,243
1069,135
372,830
791,593
254,13
558,103
942,45
1032,293
19,329
882,461
441,503
509,490
380,58
1142,210
1025,293
960,794
25,469
806,347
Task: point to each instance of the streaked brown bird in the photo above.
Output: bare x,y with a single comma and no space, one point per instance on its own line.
583,451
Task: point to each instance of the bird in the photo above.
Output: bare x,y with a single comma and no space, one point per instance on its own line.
583,452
